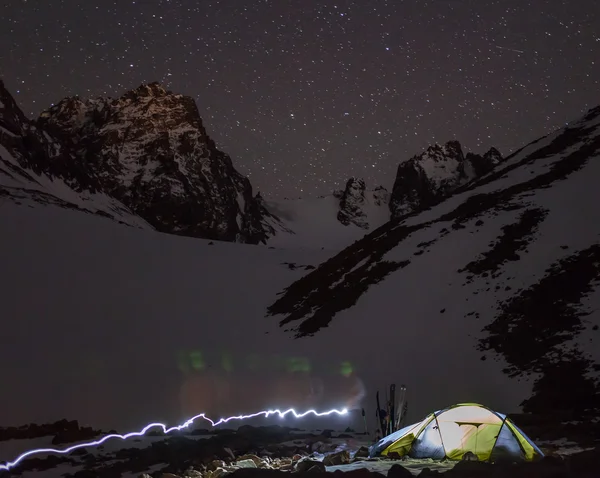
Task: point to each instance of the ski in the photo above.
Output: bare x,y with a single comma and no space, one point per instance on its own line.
401,408
380,418
392,411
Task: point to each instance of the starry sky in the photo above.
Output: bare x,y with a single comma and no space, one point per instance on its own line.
303,93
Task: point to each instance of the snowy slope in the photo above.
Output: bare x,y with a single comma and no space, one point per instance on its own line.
25,187
503,274
315,222
36,169
125,326
112,319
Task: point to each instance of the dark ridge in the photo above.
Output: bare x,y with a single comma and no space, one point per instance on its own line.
576,390
476,205
13,171
315,298
570,137
533,329
345,295
316,288
514,238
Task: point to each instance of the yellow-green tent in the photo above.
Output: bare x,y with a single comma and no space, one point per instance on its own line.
456,430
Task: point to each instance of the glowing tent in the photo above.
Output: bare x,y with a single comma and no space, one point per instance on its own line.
456,430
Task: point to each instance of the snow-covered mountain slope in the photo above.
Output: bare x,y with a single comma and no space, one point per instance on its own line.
36,170
117,327
504,273
331,222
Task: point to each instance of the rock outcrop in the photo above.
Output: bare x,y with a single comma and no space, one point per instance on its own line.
150,150
351,204
433,175
355,199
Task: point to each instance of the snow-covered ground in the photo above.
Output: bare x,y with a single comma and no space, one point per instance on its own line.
315,224
119,326
27,188
101,315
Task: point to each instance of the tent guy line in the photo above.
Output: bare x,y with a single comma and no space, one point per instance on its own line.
143,431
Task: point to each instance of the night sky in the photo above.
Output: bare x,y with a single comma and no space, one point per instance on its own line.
303,94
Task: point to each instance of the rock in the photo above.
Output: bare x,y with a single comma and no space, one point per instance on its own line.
191,473
436,173
216,473
480,165
318,468
307,463
360,473
394,455
353,200
247,463
213,465
144,475
76,435
362,452
169,475
229,452
335,459
257,461
149,150
428,473
398,471
472,468
381,196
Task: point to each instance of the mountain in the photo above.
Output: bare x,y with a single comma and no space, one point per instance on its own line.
146,154
36,169
436,173
149,149
423,180
355,199
145,159
511,260
489,296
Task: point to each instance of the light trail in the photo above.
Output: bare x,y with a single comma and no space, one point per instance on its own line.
143,431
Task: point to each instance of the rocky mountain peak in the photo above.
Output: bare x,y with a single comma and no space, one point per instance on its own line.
12,118
354,200
148,149
434,174
154,89
477,165
381,196
450,150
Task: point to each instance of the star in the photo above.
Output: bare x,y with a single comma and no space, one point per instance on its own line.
367,84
